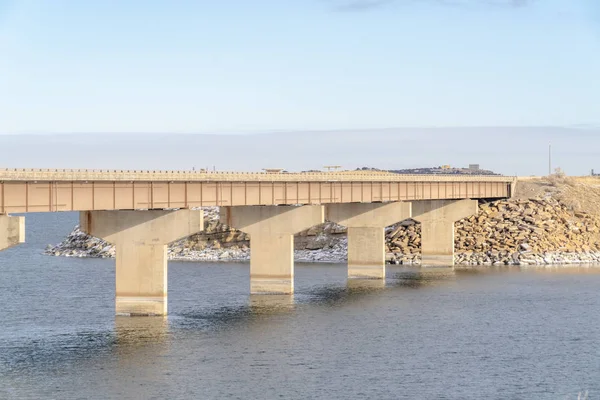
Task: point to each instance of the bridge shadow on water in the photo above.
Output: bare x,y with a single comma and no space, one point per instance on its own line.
415,278
360,289
54,351
133,337
259,308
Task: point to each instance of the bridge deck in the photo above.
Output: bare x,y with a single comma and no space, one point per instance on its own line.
27,190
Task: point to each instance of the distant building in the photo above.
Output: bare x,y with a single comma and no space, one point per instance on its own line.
473,169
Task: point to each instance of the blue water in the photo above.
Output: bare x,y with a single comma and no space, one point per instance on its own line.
476,334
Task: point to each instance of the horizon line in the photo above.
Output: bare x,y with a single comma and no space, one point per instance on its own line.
291,131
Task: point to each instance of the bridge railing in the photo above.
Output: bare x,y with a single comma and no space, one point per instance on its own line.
17,174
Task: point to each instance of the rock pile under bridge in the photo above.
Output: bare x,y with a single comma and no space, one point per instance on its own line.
507,232
511,232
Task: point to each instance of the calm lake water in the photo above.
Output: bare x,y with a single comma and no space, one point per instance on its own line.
501,334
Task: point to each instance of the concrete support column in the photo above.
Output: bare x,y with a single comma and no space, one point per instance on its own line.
366,224
437,219
366,252
141,239
12,231
271,230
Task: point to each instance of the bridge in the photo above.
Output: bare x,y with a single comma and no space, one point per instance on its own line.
141,212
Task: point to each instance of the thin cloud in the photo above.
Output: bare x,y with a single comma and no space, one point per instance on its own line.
362,5
367,5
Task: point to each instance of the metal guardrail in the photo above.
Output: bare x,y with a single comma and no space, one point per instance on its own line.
54,175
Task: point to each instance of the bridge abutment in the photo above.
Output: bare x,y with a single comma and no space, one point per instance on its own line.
12,231
366,224
141,239
271,230
437,219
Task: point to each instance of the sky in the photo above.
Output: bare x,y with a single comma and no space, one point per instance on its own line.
509,151
238,66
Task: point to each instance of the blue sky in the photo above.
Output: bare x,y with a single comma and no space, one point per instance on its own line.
267,65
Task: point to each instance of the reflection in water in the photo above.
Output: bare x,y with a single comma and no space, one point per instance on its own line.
131,331
141,348
437,274
575,269
356,290
358,285
271,303
418,277
563,270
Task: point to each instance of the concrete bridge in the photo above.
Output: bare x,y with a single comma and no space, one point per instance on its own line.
141,212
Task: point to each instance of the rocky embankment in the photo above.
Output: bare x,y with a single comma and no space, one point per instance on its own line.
511,232
218,242
536,231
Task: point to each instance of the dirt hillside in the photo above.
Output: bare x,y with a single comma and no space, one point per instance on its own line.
578,193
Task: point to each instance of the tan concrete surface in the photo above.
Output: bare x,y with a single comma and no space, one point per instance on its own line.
82,190
437,219
271,230
27,174
12,231
373,215
366,224
366,253
141,239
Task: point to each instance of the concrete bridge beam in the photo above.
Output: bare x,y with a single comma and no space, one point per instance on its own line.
366,224
271,230
12,231
437,219
141,239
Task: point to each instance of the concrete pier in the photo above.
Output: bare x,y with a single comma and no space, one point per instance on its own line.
366,224
437,219
141,239
271,230
12,231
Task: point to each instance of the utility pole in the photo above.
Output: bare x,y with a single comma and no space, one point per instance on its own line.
549,159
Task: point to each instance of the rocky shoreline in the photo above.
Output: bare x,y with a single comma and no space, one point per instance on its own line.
79,244
216,243
540,231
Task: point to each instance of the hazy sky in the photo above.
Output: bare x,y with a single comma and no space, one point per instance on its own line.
260,65
518,151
